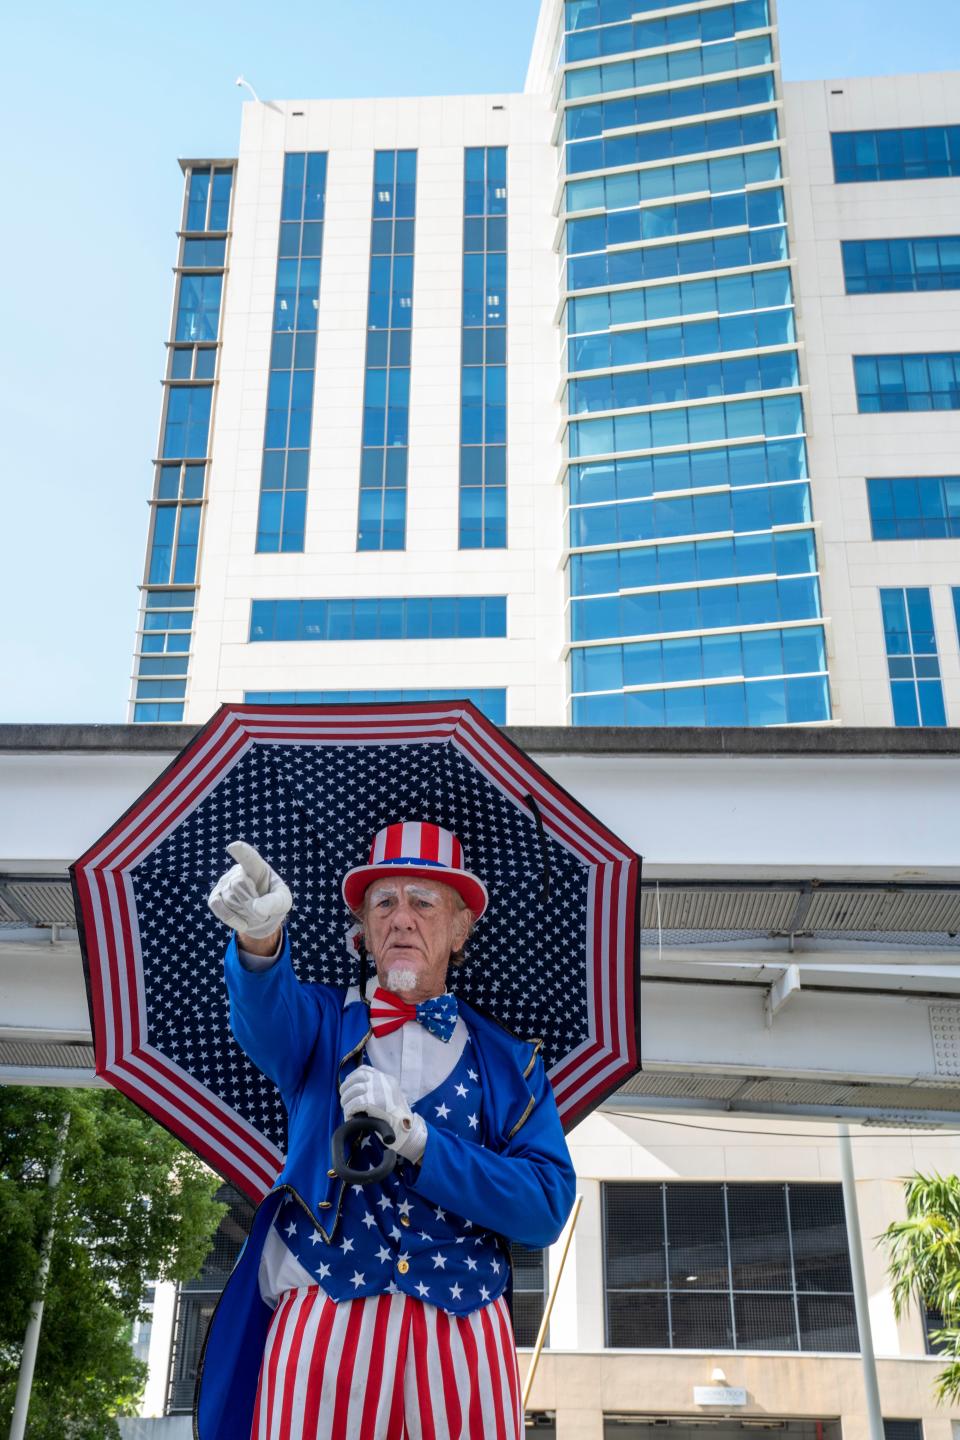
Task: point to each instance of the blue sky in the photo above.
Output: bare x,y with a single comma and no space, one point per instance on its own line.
100,100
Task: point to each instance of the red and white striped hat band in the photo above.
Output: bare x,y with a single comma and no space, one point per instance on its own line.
412,850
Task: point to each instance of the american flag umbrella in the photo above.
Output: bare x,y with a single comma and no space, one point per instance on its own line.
555,956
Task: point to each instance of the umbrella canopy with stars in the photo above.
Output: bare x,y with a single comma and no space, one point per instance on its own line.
555,957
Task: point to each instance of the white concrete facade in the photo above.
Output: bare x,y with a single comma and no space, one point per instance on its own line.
847,447
529,662
582,1380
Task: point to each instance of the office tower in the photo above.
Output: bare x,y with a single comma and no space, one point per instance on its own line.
628,400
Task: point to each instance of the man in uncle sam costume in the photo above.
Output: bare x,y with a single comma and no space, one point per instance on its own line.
377,1311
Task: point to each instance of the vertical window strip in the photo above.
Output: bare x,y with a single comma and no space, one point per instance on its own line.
615,420
483,385
286,445
382,518
912,660
173,548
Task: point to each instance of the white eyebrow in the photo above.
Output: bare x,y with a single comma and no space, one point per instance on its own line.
422,893
382,891
390,889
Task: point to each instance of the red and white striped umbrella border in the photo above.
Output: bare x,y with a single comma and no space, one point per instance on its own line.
111,944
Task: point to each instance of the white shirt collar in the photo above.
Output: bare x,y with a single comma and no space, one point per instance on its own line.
374,981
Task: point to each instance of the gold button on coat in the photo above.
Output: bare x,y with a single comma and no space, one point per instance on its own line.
403,1266
404,1220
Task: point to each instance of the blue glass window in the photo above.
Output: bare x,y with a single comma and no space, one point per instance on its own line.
735,466
180,482
204,253
483,397
282,514
703,337
653,107
661,262
926,507
757,209
747,655
163,644
646,146
174,545
956,610
637,187
914,667
382,520
219,214
797,701
427,618
884,267
187,425
676,65
760,602
725,295
490,701
208,198
654,430
928,153
606,572
151,713
888,383
585,42
198,197
198,307
667,385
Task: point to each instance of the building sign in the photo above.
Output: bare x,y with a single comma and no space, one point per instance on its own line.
724,1395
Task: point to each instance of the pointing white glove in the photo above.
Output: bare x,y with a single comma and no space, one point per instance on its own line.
377,1094
251,898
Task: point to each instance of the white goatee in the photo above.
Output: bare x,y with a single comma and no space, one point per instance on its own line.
400,980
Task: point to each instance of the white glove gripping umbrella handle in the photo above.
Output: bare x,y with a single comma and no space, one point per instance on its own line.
361,1124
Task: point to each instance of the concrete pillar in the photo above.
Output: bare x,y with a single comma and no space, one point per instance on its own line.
579,1425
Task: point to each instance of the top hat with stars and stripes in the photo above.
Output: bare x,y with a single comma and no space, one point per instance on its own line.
416,850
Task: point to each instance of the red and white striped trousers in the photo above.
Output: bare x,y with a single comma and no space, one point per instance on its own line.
386,1367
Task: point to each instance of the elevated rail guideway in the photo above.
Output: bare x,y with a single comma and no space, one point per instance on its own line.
800,907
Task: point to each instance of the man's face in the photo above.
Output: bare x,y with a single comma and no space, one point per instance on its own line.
411,928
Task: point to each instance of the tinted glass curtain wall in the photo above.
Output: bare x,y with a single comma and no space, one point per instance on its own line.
382,523
680,426
483,393
163,640
286,444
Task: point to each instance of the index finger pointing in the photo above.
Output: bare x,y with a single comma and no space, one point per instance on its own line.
253,864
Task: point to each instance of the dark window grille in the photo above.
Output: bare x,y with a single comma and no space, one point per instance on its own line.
902,1430
530,1281
933,1321
197,1299
727,1267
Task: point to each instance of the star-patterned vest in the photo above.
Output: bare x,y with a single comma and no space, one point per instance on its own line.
389,1238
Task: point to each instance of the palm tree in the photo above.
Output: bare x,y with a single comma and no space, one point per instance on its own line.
924,1265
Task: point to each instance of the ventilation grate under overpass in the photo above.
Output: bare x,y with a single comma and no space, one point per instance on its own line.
683,912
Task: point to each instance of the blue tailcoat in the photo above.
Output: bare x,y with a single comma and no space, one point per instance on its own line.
518,1181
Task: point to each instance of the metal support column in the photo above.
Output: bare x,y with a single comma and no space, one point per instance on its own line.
860,1294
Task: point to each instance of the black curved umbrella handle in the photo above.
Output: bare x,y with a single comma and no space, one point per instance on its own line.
362,1124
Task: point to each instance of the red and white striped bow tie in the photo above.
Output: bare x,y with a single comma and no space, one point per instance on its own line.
388,1012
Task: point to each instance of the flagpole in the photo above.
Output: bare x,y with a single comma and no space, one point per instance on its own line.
544,1323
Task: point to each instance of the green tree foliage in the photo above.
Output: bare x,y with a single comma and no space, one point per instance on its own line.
133,1206
924,1265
